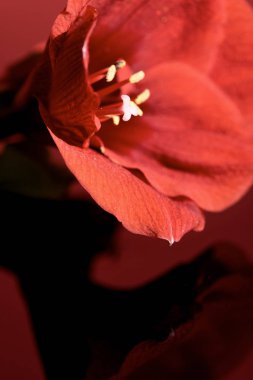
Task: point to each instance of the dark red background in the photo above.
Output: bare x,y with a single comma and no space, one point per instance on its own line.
23,24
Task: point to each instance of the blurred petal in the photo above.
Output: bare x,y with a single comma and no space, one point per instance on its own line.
212,343
157,31
188,141
234,67
16,74
138,206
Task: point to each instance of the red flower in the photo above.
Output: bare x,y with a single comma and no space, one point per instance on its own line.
190,144
204,346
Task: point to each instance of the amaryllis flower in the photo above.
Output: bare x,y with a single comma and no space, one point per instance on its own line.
150,105
203,347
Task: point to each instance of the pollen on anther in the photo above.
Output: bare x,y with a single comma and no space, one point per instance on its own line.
143,97
137,77
120,64
137,110
111,73
115,119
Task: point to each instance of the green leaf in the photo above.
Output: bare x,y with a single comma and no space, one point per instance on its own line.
20,173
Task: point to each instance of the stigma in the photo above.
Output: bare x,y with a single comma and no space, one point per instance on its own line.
130,108
115,104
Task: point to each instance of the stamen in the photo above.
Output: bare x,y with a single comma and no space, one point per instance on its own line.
97,76
111,73
108,73
112,109
120,64
115,119
137,77
138,109
143,97
123,106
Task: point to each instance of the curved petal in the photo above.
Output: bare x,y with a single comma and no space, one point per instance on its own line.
66,99
210,346
190,142
234,67
67,17
150,32
137,205
16,73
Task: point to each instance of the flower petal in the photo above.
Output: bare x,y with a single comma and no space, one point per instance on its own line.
67,17
150,32
190,142
136,204
234,67
209,346
66,99
16,74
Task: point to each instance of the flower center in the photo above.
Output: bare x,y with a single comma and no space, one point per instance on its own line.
113,104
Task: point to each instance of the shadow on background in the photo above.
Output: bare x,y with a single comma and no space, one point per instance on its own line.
86,330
